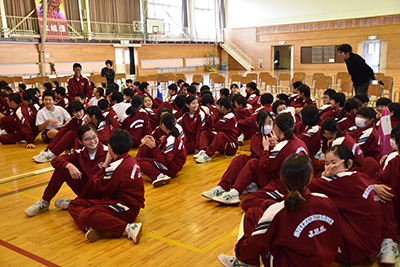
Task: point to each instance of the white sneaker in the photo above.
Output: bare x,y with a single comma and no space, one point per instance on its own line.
46,157
231,261
22,142
389,251
203,158
37,207
62,203
39,155
161,180
227,198
241,140
3,132
135,232
214,192
94,234
201,152
251,188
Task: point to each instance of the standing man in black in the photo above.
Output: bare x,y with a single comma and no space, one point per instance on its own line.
361,74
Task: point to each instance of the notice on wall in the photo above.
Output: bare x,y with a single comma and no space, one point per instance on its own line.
56,27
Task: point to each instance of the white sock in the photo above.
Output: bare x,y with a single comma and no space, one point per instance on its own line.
50,153
45,202
159,176
242,135
127,228
220,188
234,191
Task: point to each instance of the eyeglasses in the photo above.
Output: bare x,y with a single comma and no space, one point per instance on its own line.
90,138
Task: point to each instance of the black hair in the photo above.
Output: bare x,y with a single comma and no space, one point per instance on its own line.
180,81
129,92
283,97
395,107
344,153
225,92
96,111
143,86
297,84
346,48
48,86
103,104
348,106
49,93
85,128
188,100
76,65
191,90
22,86
194,84
234,97
310,115
15,98
180,100
109,62
162,111
261,117
75,106
28,96
169,121
117,96
136,83
185,85
241,100
253,86
137,102
363,98
397,137
3,95
56,83
80,95
304,88
395,130
205,88
129,81
367,112
285,123
205,93
234,85
339,98
207,99
267,98
173,87
331,125
60,90
120,141
296,173
7,88
276,104
100,90
110,91
92,85
112,86
329,92
227,103
3,84
383,101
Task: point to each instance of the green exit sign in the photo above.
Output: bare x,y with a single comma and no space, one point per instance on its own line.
372,37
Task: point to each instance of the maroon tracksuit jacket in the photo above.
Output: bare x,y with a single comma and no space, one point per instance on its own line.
348,122
311,135
75,86
248,126
138,126
348,141
192,125
254,101
112,116
299,103
369,141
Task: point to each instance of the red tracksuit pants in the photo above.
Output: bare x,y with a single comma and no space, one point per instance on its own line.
56,181
152,169
105,215
63,140
247,131
9,126
218,142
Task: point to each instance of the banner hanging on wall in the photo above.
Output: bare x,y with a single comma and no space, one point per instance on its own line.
56,27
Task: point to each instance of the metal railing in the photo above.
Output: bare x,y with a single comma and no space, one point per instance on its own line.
236,49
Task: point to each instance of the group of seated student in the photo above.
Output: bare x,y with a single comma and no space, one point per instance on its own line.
315,175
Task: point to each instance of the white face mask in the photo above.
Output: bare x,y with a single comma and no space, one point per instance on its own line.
284,111
360,122
267,129
393,143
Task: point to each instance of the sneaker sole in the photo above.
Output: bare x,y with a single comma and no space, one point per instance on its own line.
161,182
224,203
207,196
94,235
31,215
138,236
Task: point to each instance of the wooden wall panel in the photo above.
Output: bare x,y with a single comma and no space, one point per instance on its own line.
79,52
11,53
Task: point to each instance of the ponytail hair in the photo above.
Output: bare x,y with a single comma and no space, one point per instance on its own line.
96,111
349,105
296,173
169,121
188,100
253,86
227,103
137,102
285,123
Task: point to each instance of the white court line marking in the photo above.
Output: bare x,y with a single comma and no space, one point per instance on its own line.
28,173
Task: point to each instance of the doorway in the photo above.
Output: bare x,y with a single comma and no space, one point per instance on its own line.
372,54
285,56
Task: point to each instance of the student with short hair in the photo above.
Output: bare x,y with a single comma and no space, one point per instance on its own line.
128,84
363,99
243,110
7,90
172,90
108,72
128,95
380,104
295,90
50,118
78,83
179,84
224,92
60,98
47,86
191,90
347,115
111,200
284,98
303,230
98,93
118,104
337,102
279,106
326,100
144,89
81,98
176,106
184,89
394,109
109,113
167,156
21,89
234,89
101,123
76,169
136,85
304,98
253,95
308,130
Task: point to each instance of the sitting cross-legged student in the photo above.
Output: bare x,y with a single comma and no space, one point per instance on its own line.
253,95
337,102
112,199
326,101
50,118
167,156
75,169
109,113
243,110
102,124
303,100
358,204
98,93
302,230
347,115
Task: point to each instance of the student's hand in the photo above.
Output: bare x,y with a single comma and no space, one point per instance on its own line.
86,119
383,192
382,160
162,138
332,169
66,123
298,110
329,142
108,160
150,142
265,142
30,146
53,122
73,171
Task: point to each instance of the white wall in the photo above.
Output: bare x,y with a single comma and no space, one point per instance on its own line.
248,13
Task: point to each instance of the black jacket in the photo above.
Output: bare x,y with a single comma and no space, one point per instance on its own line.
359,71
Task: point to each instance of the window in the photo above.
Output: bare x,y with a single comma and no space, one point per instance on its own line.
168,10
204,19
320,54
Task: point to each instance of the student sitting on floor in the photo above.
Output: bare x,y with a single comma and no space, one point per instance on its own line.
295,93
347,115
151,112
76,169
128,94
326,100
101,123
109,113
253,95
303,230
337,102
234,89
118,104
98,93
308,129
243,110
111,200
81,98
380,104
